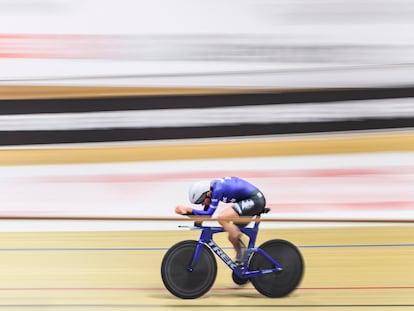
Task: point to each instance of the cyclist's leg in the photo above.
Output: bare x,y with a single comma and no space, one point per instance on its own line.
228,226
249,207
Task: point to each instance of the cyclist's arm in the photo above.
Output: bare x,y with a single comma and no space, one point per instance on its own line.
206,212
209,210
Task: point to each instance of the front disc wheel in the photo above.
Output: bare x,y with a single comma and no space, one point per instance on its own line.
182,281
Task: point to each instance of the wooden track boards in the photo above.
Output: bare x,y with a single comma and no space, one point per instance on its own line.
347,268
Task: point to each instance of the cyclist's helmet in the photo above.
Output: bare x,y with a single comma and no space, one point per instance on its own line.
198,191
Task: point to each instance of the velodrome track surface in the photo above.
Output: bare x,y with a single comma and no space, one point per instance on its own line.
349,268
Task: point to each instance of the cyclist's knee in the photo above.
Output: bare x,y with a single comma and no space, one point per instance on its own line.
222,221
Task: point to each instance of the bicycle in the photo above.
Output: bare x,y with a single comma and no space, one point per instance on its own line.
189,268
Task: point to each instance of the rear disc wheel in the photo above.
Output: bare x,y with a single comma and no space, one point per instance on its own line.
277,284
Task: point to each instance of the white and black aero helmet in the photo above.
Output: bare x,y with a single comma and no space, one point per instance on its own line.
198,191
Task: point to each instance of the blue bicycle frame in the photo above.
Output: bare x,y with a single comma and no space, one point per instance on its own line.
206,238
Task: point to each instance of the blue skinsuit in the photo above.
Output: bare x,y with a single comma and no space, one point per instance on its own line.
227,190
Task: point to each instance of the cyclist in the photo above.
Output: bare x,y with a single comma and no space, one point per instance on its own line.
247,200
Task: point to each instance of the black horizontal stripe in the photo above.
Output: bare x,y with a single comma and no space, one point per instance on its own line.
65,105
143,134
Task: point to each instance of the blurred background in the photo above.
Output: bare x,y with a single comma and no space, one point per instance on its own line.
113,108
100,83
261,44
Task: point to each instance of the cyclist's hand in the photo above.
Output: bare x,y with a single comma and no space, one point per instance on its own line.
183,210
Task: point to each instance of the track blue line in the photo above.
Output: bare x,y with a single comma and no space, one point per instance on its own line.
166,248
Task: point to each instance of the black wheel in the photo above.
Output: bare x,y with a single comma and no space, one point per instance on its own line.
278,284
238,280
177,277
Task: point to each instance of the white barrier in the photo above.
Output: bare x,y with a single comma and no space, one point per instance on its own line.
360,186
243,43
